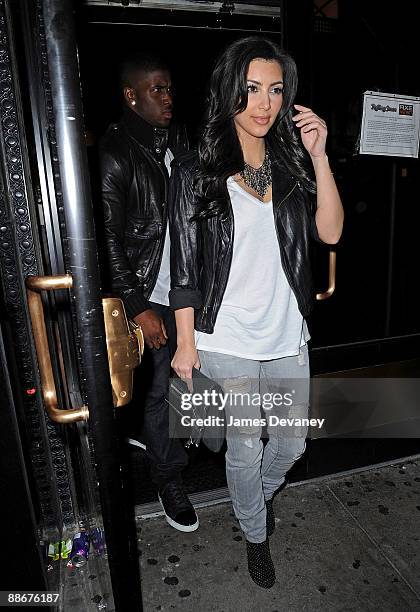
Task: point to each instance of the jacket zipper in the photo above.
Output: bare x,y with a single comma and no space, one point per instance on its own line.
203,314
287,195
216,310
164,225
286,271
159,259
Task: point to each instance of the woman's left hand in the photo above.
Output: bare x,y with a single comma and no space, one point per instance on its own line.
313,130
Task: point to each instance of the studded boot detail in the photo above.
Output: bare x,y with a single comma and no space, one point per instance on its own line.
260,564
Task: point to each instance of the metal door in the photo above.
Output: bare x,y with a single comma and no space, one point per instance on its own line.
71,455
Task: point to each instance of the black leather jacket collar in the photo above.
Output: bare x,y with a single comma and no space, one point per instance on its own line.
156,139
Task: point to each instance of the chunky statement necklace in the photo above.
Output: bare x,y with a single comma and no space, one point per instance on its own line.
258,179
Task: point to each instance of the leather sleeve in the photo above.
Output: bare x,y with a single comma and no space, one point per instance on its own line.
185,241
311,204
124,282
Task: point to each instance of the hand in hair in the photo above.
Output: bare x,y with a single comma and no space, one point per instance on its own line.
313,130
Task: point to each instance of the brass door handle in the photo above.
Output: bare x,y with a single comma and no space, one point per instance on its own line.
125,346
34,286
331,277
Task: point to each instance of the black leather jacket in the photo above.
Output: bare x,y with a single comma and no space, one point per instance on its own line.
201,252
134,196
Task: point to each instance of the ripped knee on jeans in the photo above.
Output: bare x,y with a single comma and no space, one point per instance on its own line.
243,416
237,385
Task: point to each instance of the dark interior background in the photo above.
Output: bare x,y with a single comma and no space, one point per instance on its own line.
348,47
367,47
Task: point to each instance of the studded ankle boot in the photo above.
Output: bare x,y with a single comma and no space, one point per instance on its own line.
260,564
271,523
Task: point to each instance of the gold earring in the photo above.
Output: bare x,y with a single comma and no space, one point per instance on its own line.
133,103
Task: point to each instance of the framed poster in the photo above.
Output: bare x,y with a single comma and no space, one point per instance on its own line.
390,125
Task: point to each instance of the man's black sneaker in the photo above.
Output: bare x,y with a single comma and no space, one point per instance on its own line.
178,509
271,521
135,441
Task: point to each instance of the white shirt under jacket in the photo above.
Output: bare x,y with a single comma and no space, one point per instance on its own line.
259,317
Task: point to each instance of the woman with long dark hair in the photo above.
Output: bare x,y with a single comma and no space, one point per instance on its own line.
242,210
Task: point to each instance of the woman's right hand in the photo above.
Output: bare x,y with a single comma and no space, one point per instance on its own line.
185,358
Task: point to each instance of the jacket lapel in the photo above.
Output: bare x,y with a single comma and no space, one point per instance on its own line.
283,182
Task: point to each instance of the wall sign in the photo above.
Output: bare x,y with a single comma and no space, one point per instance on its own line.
390,125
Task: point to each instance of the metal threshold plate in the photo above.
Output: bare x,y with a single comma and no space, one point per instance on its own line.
192,5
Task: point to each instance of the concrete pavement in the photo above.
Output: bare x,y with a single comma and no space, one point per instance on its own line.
348,542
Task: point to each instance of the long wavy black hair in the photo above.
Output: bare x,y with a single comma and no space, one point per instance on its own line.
219,150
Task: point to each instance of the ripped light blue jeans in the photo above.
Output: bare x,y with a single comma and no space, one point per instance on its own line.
254,471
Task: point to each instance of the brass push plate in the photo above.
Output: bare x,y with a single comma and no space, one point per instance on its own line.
125,346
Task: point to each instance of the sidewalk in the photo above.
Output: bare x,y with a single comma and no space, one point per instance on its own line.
342,543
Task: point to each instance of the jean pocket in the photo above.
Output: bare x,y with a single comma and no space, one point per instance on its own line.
303,355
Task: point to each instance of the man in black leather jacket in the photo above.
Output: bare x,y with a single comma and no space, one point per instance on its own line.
135,162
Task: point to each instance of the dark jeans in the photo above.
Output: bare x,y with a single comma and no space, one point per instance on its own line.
150,411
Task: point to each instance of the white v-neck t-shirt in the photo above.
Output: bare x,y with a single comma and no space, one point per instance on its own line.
259,317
